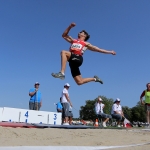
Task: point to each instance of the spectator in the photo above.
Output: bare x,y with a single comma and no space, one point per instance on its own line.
35,102
65,100
59,106
146,93
117,112
70,115
99,106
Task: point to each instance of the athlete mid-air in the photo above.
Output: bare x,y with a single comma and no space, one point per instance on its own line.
74,56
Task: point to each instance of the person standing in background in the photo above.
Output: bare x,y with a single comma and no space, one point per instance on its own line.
65,101
146,93
35,102
59,106
70,116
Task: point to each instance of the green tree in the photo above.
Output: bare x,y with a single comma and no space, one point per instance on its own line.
138,113
127,112
87,112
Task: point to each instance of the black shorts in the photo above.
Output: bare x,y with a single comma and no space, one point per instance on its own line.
147,107
75,62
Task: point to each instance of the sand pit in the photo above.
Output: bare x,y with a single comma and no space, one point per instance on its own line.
73,137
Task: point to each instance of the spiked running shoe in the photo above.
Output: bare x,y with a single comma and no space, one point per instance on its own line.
98,79
58,75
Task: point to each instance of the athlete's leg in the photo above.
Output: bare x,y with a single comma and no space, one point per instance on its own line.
65,56
79,80
75,62
148,117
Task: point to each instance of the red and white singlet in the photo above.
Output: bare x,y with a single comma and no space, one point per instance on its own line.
78,47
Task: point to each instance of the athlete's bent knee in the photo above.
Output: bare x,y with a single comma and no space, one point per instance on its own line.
79,82
62,52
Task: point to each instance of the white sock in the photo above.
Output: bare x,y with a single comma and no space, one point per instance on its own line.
95,79
63,73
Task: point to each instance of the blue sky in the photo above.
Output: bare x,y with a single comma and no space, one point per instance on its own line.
30,45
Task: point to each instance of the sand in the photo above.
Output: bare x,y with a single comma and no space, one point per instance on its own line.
73,137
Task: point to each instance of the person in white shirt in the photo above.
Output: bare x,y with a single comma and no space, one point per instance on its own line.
99,106
65,101
117,112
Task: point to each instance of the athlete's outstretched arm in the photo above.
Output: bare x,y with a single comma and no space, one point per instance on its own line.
65,34
97,49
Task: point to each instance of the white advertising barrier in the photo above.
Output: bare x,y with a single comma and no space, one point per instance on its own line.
54,118
30,116
10,114
1,113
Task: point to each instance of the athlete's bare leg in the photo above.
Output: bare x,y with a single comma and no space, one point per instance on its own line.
148,116
79,80
65,55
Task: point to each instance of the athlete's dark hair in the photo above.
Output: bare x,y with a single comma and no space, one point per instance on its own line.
147,85
87,35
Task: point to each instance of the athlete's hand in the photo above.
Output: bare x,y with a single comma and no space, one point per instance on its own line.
72,25
142,103
113,52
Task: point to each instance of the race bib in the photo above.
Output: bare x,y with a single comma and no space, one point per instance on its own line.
76,46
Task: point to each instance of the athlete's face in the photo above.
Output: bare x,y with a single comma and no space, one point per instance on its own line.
82,35
148,87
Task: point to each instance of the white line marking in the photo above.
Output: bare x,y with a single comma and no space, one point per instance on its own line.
68,147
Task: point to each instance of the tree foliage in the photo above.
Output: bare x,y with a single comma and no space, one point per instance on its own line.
136,113
87,112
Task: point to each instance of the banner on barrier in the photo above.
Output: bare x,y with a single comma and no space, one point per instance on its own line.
55,118
29,116
10,114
